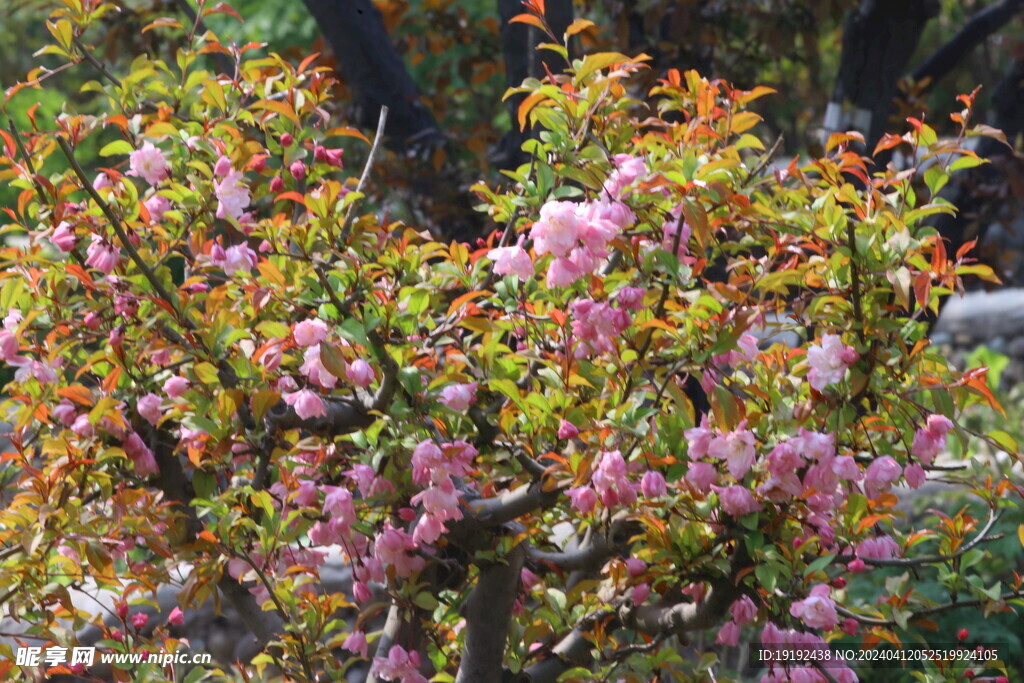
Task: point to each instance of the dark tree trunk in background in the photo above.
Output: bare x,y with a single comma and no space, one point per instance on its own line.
523,60
375,72
878,41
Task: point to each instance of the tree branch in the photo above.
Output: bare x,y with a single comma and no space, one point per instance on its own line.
487,611
978,28
346,225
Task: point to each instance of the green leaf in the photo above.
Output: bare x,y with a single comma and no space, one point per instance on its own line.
1005,441
116,147
206,373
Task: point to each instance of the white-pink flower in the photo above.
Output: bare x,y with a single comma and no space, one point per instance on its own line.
737,449
307,403
176,386
360,373
148,163
512,261
881,474
557,231
101,255
931,439
149,408
157,205
232,195
653,484
393,547
817,610
583,498
310,332
399,666
736,500
829,361
239,258
313,368
459,397
701,475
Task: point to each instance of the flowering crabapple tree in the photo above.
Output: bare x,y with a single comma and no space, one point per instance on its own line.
555,455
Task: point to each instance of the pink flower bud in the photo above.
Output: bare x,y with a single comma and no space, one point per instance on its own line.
223,167
139,620
122,610
567,430
298,170
287,140
176,617
176,386
258,162
277,185
856,566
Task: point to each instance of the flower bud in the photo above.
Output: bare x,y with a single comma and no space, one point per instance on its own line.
298,170
287,140
277,185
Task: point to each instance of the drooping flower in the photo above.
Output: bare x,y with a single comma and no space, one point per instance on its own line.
583,498
356,643
931,439
313,368
881,474
736,500
631,298
101,255
393,547
176,617
743,610
307,403
63,237
817,610
142,458
567,430
728,634
222,167
149,408
914,475
701,475
232,195
399,665
148,163
239,257
737,449
175,387
628,169
611,481
597,325
360,373
512,261
878,548
829,361
653,484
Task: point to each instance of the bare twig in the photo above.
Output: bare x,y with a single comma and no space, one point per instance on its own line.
346,225
937,559
88,56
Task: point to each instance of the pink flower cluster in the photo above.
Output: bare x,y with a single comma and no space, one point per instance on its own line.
400,665
596,325
931,439
817,610
148,163
576,235
395,548
628,169
434,466
231,191
772,635
742,612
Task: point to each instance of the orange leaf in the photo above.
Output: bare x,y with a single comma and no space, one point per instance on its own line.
468,296
292,195
527,105
527,19
207,536
77,393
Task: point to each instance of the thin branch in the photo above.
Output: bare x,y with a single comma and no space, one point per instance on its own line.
28,160
88,56
938,559
346,226
927,612
119,230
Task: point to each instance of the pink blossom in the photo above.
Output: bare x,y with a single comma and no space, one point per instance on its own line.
668,236
915,476
653,484
459,397
640,593
558,229
101,181
360,373
583,498
440,500
338,504
829,361
239,257
784,460
65,412
817,610
881,474
222,167
847,468
528,579
329,156
310,332
82,428
176,617
232,195
878,548
631,298
737,449
736,500
563,272
701,475
149,408
139,620
399,666
635,567
392,548
297,169
9,346
814,445
142,458
567,430
175,387
148,163
856,566
313,368
743,610
627,170
930,440
604,221
306,493
63,237
157,205
597,325
729,634
512,261
101,255
699,438
849,626
307,403
611,482
356,643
